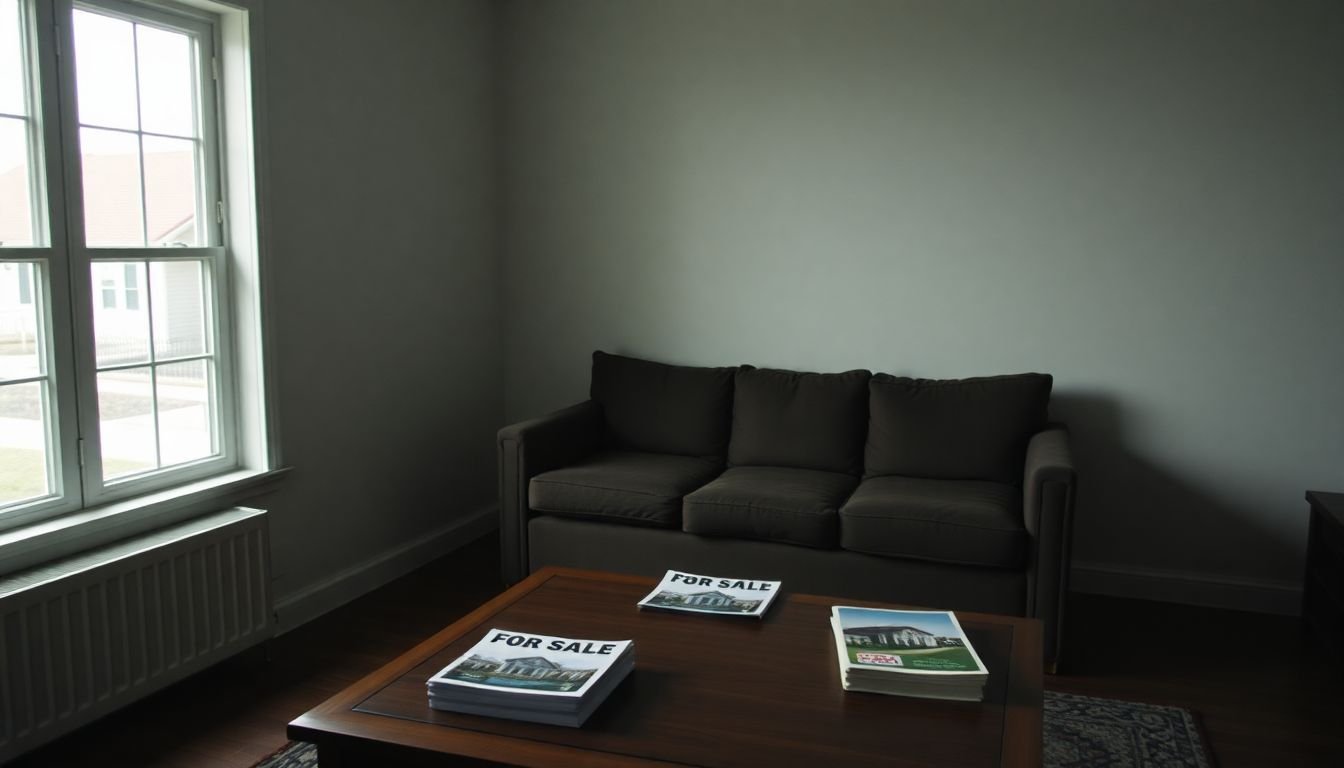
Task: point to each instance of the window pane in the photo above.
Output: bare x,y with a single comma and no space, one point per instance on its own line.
111,188
126,419
185,406
16,204
24,470
19,344
26,286
179,315
170,191
11,59
166,66
105,71
130,282
120,330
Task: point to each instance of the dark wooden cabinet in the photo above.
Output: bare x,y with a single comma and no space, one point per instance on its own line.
1323,587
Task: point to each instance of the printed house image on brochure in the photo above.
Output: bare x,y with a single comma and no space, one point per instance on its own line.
913,641
536,672
694,593
525,663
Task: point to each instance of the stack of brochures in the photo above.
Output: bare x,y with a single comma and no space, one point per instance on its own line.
523,676
906,653
693,593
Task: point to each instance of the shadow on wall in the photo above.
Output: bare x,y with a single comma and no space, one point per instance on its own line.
1135,514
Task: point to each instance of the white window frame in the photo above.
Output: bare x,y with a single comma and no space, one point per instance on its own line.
212,254
48,256
84,509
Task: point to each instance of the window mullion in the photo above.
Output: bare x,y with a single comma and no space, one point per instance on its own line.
159,361
37,188
139,137
81,290
153,369
156,253
38,379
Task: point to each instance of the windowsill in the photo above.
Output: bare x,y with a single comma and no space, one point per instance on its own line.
65,535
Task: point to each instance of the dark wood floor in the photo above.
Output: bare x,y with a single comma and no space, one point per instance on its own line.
1265,696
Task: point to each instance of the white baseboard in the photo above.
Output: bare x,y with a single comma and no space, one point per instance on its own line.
1256,595
303,605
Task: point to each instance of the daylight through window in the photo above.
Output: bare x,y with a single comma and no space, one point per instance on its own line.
115,361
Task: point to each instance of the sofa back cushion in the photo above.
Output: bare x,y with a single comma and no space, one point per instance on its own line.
954,429
662,408
805,420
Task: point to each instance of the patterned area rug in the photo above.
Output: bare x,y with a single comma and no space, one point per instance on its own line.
295,754
1083,732
1080,732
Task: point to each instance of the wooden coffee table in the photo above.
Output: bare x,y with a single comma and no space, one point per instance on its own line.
706,690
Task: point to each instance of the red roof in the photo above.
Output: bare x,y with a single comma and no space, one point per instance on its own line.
112,198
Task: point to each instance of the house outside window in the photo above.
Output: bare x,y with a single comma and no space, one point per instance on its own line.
25,283
119,365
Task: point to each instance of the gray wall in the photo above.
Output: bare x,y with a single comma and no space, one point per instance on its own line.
1143,197
384,275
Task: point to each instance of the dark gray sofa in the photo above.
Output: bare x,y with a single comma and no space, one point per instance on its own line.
945,493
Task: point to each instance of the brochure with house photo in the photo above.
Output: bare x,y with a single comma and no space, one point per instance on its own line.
906,653
525,665
923,642
697,593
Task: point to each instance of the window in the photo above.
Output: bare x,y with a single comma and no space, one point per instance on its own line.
117,355
131,286
25,283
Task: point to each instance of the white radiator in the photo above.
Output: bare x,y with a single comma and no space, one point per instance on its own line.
89,634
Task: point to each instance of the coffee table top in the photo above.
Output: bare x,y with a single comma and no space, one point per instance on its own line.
706,690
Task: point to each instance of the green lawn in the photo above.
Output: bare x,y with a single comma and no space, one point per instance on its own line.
22,474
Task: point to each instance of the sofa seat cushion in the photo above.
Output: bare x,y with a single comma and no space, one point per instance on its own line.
622,487
796,506
968,522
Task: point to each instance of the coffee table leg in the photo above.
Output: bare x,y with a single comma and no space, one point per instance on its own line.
329,756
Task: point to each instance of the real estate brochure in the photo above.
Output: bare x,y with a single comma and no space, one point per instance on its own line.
526,676
695,593
913,653
524,666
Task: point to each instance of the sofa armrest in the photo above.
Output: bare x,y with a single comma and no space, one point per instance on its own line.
1048,488
527,449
